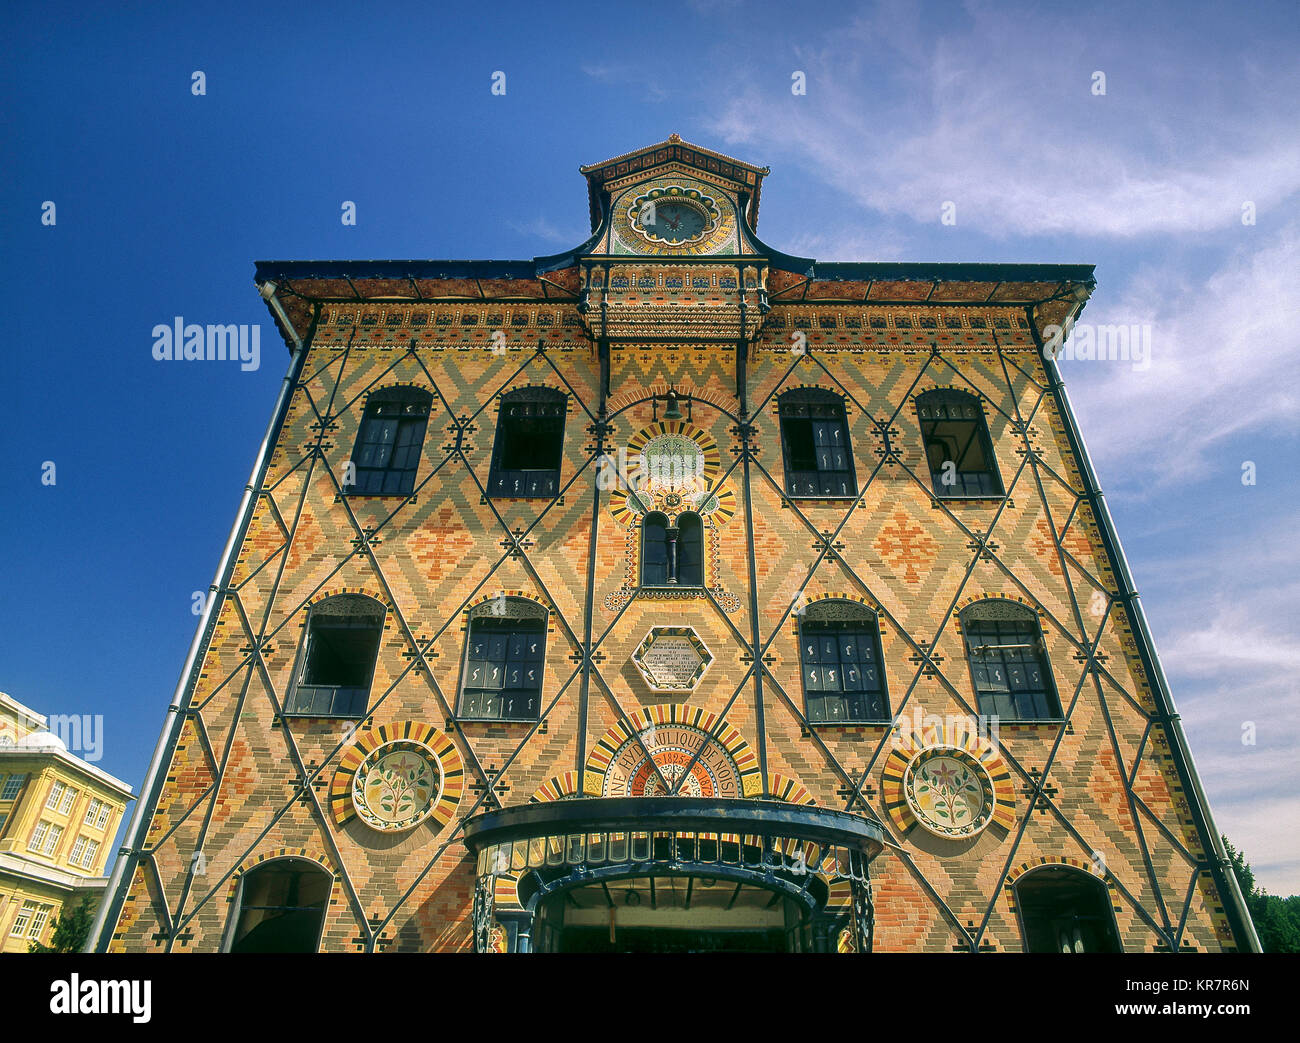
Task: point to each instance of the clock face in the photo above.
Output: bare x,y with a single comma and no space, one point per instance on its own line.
671,218
673,222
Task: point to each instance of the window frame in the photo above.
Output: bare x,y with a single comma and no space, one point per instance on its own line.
1026,616
57,789
13,786
315,612
536,395
673,545
92,809
814,396
949,396
525,610
237,910
399,395
870,625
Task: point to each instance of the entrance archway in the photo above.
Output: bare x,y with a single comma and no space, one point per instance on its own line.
1065,910
674,912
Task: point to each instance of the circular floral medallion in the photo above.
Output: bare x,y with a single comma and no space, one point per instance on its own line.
397,786
949,792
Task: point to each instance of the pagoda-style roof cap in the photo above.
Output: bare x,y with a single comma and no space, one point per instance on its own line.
745,176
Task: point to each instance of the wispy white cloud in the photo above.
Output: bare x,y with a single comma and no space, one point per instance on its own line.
1021,146
1232,658
1219,347
548,232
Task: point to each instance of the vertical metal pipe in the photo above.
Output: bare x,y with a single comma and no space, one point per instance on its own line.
129,855
1220,866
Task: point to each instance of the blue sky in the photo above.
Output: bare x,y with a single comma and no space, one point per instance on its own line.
165,199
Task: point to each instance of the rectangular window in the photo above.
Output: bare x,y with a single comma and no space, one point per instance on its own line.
38,836
65,805
339,659
38,921
529,448
23,920
841,672
503,669
1008,670
13,785
77,849
101,820
91,812
957,446
92,849
387,453
56,794
52,840
818,456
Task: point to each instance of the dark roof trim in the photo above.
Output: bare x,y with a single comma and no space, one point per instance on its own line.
278,271
943,271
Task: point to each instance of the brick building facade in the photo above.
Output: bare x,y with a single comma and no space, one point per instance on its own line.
673,593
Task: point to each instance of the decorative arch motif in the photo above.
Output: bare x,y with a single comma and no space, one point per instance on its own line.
321,859
558,787
672,733
673,488
949,739
1083,865
422,742
792,791
332,592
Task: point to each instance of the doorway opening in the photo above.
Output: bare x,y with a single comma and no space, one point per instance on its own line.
671,913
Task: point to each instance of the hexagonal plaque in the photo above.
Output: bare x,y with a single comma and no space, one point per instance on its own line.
672,659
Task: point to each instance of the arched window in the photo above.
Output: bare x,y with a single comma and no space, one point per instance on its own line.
654,550
505,653
1008,662
281,907
957,446
672,555
1065,910
815,444
387,453
338,657
529,445
843,677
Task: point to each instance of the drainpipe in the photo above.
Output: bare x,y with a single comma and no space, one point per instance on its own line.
129,855
1243,927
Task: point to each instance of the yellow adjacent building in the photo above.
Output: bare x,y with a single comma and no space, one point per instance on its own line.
58,815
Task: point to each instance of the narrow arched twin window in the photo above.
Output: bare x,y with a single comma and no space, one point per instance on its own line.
672,555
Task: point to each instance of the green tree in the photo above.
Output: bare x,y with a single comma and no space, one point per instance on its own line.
71,929
1277,920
